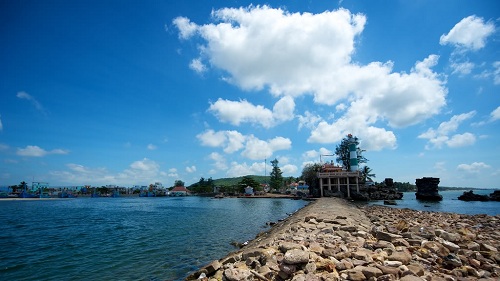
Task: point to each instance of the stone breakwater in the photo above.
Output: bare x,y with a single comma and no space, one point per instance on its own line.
331,239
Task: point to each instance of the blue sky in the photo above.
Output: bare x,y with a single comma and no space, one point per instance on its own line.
133,92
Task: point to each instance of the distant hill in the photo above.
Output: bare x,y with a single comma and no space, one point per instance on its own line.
235,181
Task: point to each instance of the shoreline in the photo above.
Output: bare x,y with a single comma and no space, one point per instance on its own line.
332,239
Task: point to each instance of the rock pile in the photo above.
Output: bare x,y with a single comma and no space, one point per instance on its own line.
471,196
387,191
332,240
427,189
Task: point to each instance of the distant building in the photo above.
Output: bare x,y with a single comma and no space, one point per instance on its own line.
179,191
248,190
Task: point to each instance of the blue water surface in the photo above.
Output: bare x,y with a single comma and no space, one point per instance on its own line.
127,238
450,203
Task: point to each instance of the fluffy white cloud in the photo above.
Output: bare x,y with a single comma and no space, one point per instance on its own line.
139,172
256,149
219,161
440,136
186,28
237,112
308,120
198,66
474,168
152,146
289,170
36,151
462,68
470,33
253,147
172,173
191,169
315,155
460,140
294,54
495,114
243,169
261,46
231,141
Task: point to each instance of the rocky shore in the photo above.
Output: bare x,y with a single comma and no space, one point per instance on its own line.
332,239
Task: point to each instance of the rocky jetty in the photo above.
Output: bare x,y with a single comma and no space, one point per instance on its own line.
332,240
427,189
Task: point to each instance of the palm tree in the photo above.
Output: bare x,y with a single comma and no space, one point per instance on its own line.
367,174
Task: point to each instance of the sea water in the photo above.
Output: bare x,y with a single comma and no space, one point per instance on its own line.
127,238
450,203
134,238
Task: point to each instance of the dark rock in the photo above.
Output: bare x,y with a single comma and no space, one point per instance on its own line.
470,196
427,189
495,195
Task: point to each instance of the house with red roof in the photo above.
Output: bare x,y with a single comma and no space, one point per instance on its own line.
180,191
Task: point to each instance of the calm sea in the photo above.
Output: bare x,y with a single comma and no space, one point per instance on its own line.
450,203
134,238
129,238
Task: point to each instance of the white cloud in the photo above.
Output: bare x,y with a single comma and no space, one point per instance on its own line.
462,68
294,54
308,120
34,102
243,169
3,146
186,28
289,169
253,148
470,33
172,173
219,161
316,155
231,141
35,151
460,140
495,114
152,146
198,66
237,112
440,136
496,73
474,168
256,149
143,171
191,169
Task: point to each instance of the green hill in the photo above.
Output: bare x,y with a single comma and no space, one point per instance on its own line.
235,181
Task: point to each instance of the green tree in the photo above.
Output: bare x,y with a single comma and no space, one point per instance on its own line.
178,183
203,186
310,176
344,154
366,174
276,179
248,181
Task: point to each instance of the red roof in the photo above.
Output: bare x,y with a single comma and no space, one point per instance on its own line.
180,188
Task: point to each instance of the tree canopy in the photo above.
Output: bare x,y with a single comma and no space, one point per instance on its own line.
249,181
310,176
276,180
178,183
344,154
